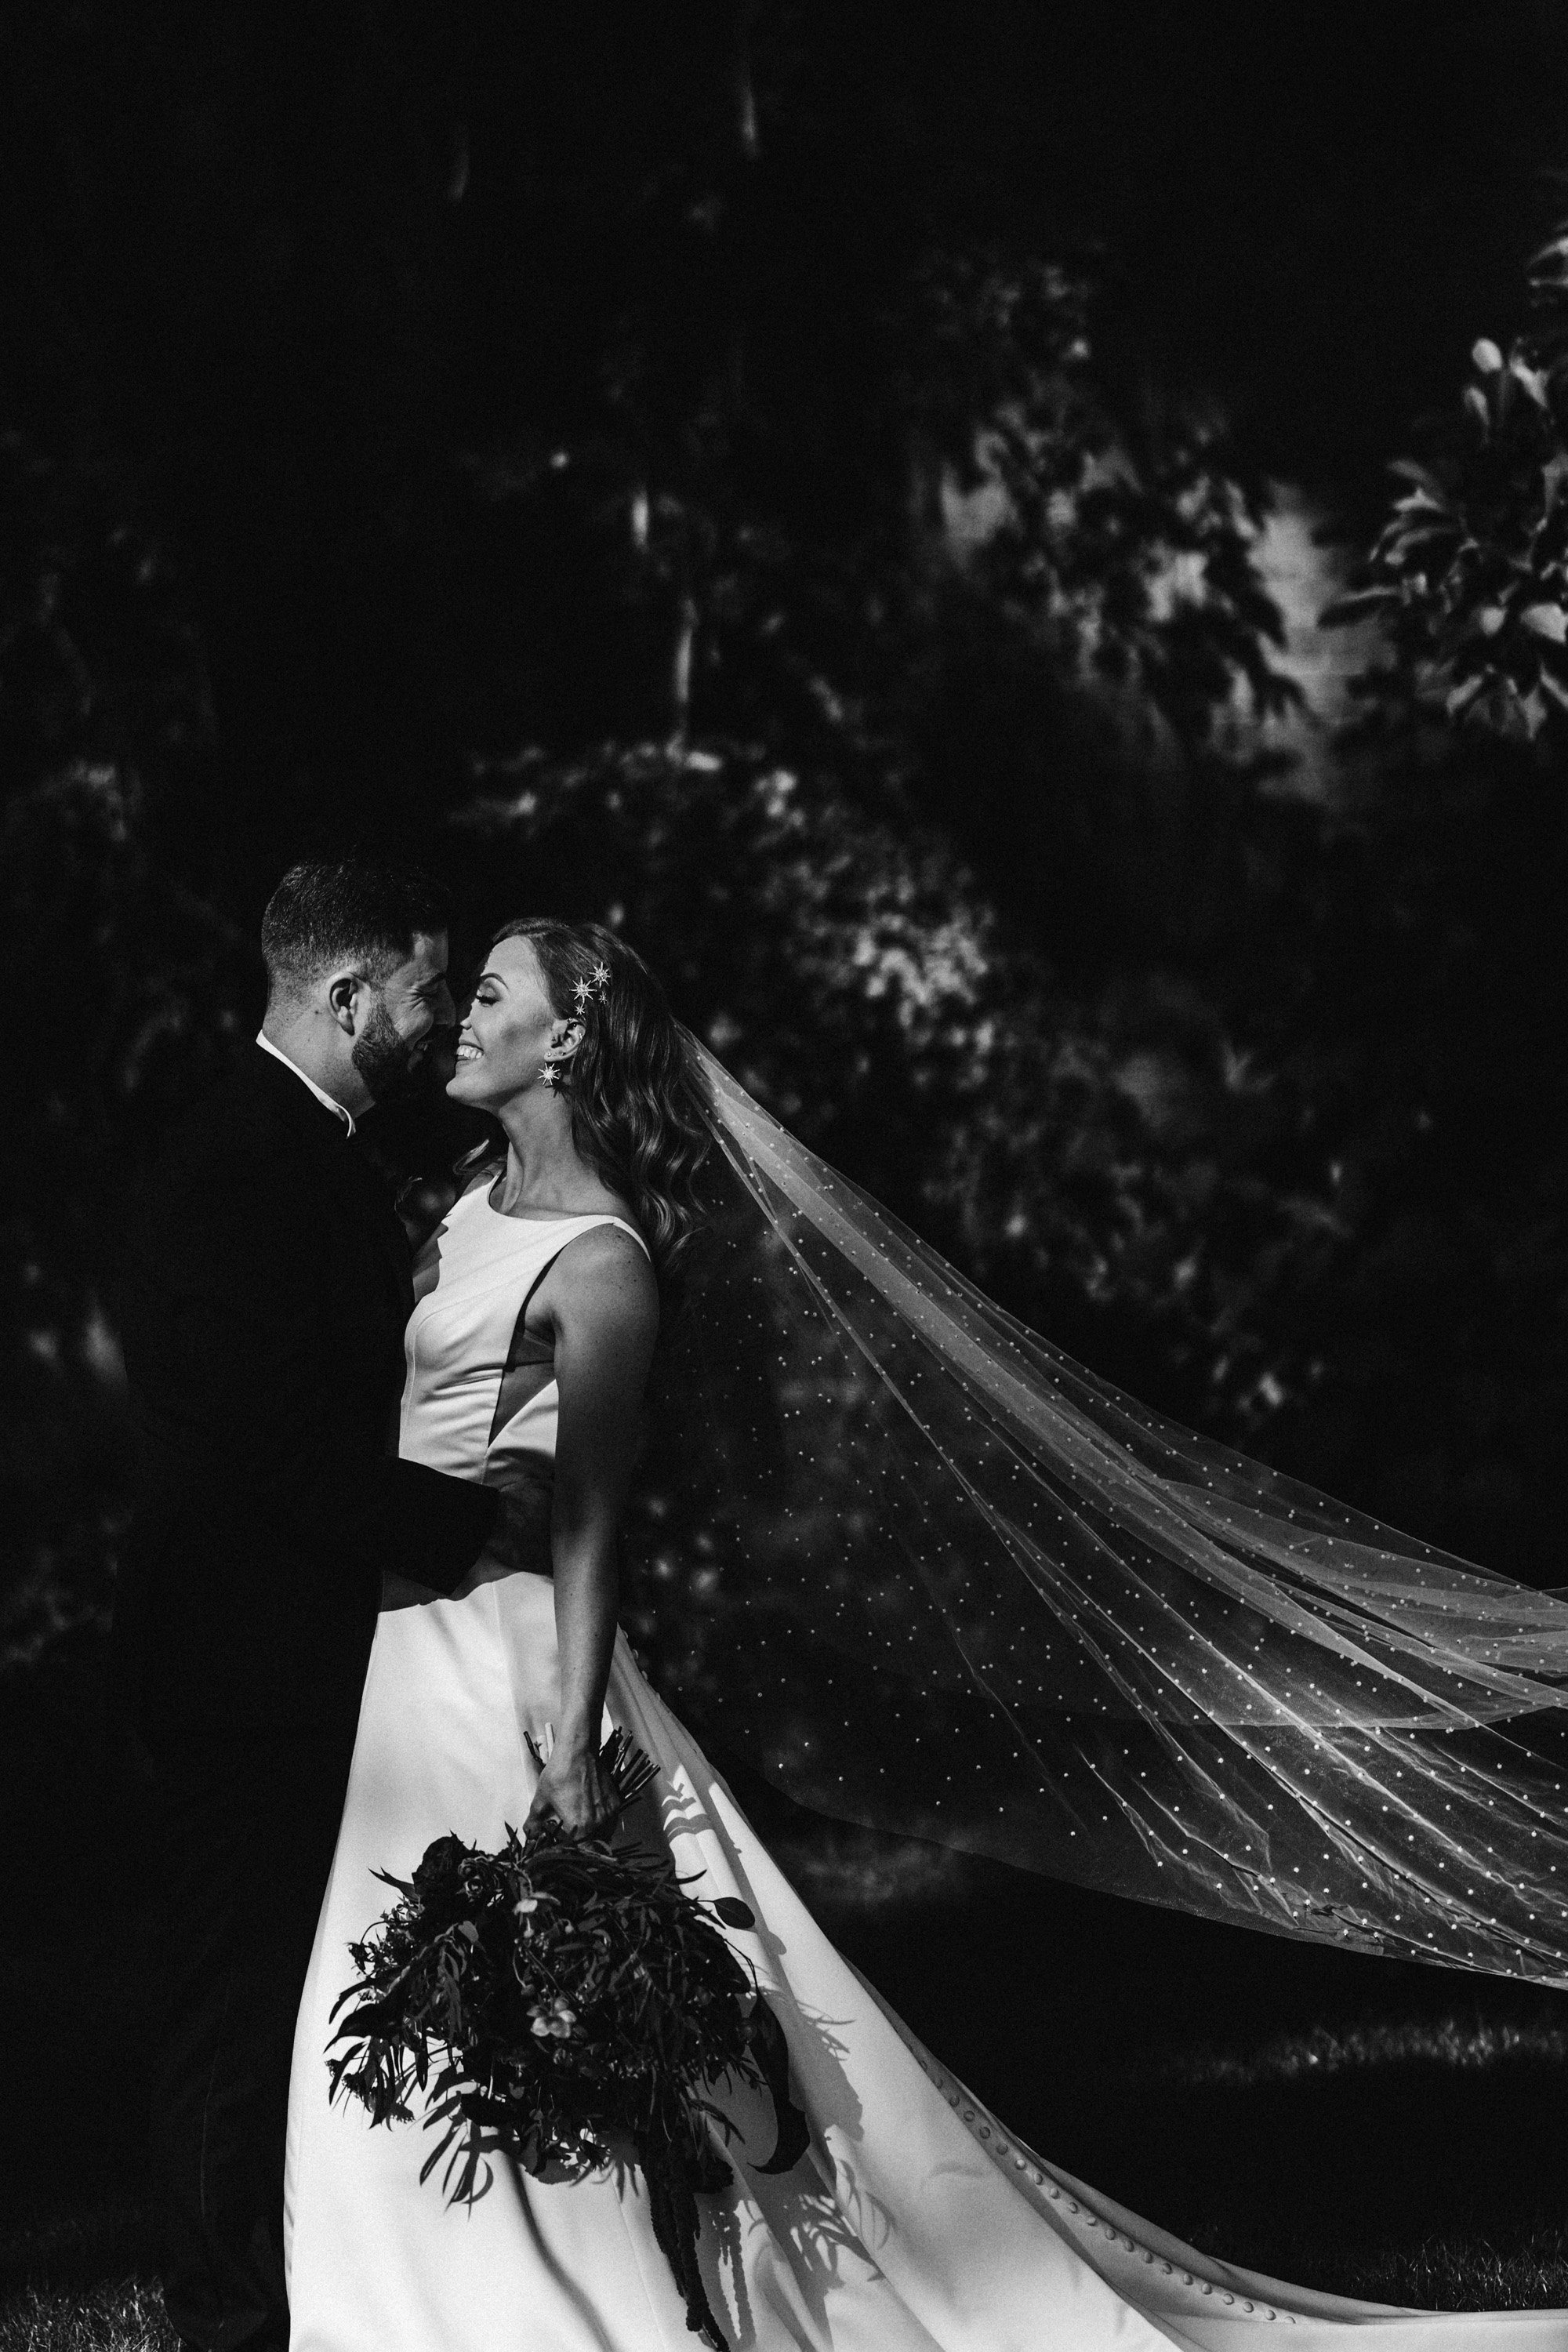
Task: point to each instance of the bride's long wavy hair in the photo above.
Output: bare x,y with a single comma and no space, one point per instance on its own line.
640,1103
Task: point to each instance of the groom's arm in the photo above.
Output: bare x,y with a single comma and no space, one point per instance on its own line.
248,1398
428,1528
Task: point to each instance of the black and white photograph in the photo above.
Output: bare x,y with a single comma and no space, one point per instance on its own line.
784,1261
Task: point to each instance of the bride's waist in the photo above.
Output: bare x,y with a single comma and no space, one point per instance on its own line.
507,1471
519,1541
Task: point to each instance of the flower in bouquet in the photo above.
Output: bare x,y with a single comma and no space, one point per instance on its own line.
571,1998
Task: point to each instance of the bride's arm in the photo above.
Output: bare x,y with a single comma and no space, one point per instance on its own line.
604,1303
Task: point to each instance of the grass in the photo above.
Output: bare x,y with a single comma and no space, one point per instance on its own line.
126,2314
79,2272
118,2315
1454,2045
1473,2275
1407,2175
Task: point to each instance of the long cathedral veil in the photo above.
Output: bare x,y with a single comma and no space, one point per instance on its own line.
939,1581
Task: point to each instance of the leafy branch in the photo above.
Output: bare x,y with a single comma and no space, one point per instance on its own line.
1469,574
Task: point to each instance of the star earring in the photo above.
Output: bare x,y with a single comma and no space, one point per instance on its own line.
549,1075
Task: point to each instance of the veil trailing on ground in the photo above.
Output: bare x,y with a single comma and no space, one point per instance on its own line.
942,1582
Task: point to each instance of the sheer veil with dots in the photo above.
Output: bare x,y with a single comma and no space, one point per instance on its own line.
939,1581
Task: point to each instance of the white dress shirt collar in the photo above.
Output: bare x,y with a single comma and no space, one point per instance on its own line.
327,1102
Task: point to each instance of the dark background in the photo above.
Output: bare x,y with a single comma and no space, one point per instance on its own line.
818,486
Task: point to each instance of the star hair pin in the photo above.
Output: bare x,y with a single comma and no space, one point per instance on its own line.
594,986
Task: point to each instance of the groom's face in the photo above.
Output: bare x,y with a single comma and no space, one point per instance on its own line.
408,1020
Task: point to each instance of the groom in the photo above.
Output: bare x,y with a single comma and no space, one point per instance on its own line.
269,1290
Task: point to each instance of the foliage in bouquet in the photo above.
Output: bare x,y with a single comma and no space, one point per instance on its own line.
572,2001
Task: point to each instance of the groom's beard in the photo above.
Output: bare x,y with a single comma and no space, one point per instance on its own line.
394,1066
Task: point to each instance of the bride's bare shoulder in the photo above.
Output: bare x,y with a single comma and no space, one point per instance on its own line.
603,1311
605,1267
607,1244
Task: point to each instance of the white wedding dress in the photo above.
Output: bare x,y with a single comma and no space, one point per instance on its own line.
917,2223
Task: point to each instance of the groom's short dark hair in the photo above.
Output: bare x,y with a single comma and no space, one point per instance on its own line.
347,912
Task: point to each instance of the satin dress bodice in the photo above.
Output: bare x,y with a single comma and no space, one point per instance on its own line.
480,1399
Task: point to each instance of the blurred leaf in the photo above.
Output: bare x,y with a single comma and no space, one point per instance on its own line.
1355,607
1531,380
1426,483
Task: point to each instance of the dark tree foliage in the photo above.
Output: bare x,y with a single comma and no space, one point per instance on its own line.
1469,575
726,471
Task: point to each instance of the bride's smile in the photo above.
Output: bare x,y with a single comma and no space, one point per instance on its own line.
511,1035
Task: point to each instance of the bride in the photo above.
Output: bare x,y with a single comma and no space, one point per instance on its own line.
917,2221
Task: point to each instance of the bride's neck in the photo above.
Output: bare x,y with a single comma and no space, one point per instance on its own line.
545,1170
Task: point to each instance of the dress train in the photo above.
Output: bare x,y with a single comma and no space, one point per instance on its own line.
917,2223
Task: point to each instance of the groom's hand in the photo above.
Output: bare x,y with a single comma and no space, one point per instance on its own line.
403,1592
518,1540
521,1536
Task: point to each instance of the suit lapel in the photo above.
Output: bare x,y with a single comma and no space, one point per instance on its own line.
345,1174
363,1189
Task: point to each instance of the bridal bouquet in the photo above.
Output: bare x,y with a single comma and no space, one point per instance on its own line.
571,2000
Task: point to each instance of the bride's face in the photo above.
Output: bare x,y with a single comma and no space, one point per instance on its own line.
509,1032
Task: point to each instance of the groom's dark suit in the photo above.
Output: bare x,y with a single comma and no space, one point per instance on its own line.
268,1288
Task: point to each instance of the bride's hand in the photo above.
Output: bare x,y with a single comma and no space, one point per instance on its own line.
575,1787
